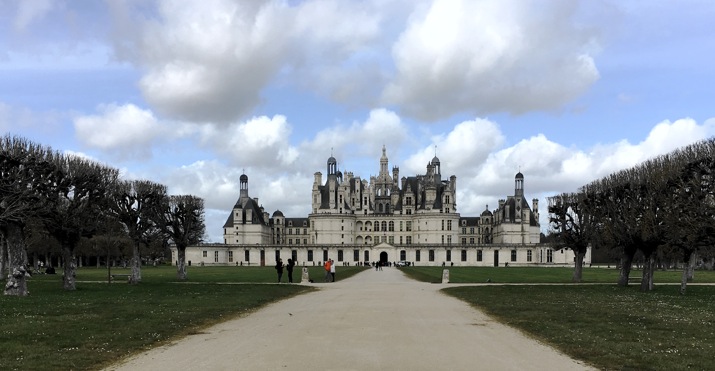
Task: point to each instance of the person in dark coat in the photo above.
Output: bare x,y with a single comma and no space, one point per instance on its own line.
279,269
289,268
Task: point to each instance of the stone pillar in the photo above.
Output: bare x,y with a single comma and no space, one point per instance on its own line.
305,277
445,276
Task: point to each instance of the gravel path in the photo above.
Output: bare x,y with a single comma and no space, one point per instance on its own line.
375,320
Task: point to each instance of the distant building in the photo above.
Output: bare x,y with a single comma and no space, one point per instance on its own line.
386,219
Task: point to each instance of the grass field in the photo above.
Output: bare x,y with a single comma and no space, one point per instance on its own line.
610,327
542,275
99,322
216,274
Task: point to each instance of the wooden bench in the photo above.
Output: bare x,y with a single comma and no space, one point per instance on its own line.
114,276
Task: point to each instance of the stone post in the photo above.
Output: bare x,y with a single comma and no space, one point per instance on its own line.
305,277
445,276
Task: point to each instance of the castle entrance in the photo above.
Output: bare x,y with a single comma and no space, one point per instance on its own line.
383,258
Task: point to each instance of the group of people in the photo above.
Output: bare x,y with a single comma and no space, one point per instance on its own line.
329,270
288,267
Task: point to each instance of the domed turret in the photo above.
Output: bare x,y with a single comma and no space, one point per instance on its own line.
277,213
332,165
243,186
519,184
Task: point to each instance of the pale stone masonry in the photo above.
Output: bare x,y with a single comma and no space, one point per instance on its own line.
389,218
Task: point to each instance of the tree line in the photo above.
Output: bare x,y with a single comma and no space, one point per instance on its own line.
663,209
47,195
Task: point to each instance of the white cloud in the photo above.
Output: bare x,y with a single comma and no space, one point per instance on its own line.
357,144
29,11
260,141
210,63
126,131
491,56
466,147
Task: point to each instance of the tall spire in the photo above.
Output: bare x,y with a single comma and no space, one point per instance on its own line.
383,162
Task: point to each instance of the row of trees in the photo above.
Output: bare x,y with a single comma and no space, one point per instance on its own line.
663,208
70,198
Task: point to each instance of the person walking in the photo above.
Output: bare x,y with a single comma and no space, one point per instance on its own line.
332,270
289,268
327,270
279,269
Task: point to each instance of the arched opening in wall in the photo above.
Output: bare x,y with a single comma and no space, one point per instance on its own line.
383,257
496,258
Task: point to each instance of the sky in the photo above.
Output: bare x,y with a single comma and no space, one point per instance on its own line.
192,94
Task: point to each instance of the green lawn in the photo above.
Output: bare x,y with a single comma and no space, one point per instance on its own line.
99,322
607,326
541,275
226,274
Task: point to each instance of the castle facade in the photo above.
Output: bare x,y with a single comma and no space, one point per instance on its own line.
387,218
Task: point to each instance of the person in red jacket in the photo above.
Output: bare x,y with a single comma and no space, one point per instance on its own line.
327,270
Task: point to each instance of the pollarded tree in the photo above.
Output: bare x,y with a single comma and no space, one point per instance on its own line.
613,195
690,224
28,175
136,204
76,211
182,221
3,257
572,225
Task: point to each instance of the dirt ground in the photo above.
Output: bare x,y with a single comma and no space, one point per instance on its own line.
375,320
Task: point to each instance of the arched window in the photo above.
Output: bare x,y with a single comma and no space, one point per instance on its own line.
392,228
380,208
377,226
384,226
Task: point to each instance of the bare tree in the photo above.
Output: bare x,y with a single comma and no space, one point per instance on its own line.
572,225
27,175
690,224
182,220
135,205
77,207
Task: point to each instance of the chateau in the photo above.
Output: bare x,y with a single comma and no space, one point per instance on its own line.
387,218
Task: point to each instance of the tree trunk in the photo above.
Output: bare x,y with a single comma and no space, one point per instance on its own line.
684,279
181,266
626,264
648,270
69,277
35,261
136,276
3,257
16,284
690,266
578,269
